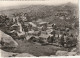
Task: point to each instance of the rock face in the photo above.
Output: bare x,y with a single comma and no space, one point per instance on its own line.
61,53
7,54
7,41
25,55
72,53
65,53
10,54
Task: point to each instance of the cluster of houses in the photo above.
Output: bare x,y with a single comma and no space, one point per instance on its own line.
41,32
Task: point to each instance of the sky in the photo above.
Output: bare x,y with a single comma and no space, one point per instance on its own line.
35,2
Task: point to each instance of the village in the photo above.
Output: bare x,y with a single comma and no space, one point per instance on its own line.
42,32
34,33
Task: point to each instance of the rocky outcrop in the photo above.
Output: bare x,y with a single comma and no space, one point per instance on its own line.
24,55
65,53
61,53
7,41
7,54
10,54
72,53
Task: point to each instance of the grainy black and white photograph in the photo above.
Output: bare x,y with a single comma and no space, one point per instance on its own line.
39,28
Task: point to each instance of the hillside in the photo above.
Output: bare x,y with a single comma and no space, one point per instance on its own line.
40,10
47,13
